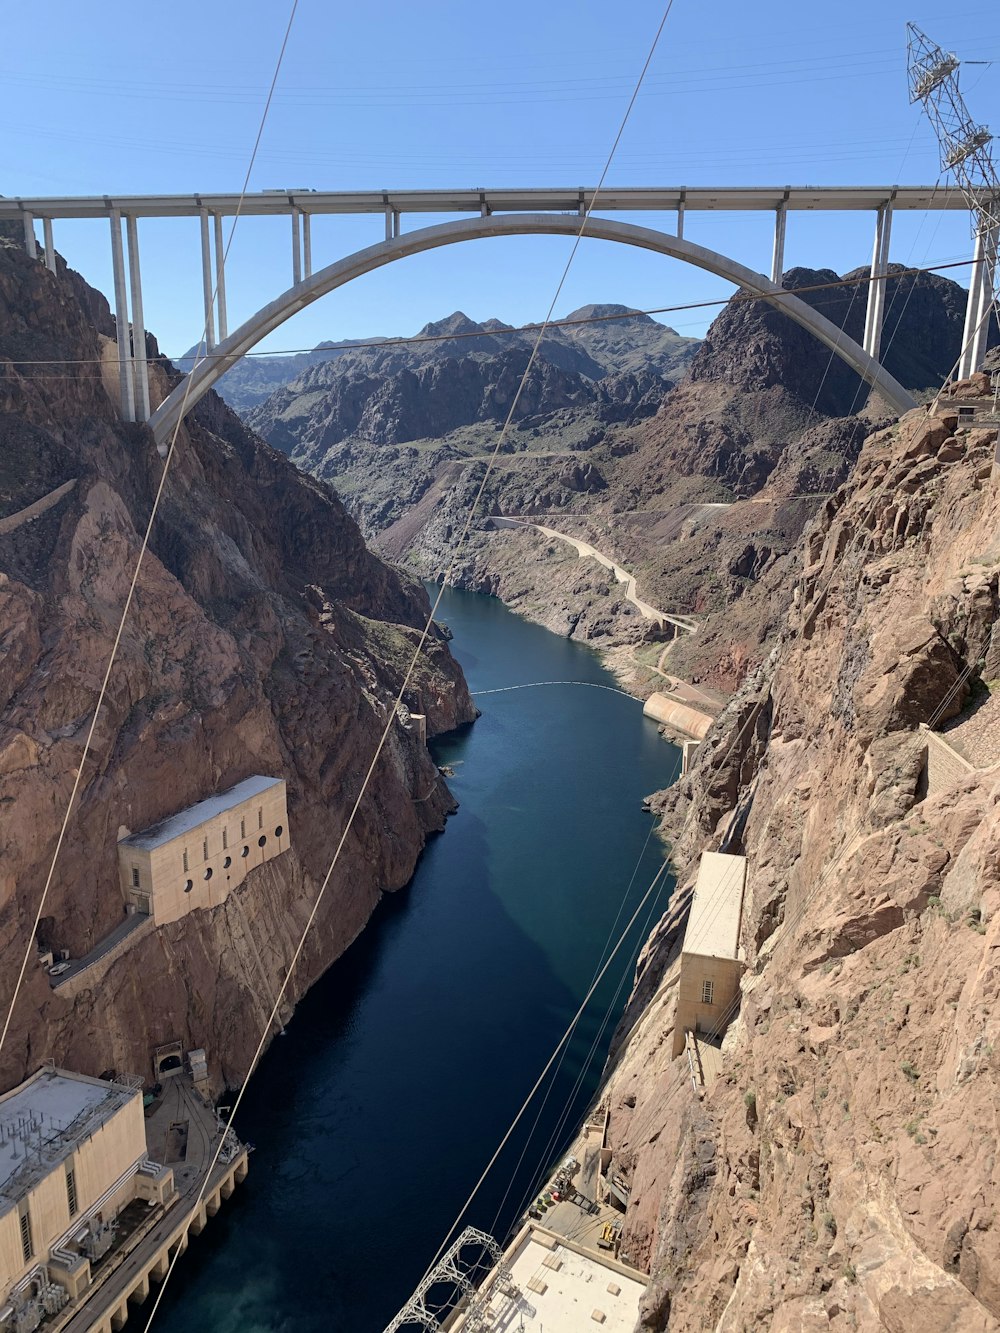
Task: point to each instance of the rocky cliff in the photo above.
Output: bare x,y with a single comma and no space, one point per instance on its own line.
700,489
842,1172
264,638
458,373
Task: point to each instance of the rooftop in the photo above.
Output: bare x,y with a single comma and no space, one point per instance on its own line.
175,826
43,1119
713,928
563,1290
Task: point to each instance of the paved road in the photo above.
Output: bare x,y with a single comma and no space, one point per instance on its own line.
586,550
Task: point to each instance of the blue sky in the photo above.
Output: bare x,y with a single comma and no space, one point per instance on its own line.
133,98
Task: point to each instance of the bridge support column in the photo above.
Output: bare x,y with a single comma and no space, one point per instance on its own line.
30,243
140,371
876,283
680,216
307,245
220,278
121,319
778,253
296,249
977,308
206,282
388,224
50,249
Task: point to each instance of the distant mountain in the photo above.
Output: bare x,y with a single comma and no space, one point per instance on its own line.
457,373
254,378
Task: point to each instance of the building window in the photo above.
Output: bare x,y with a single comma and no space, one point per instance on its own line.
204,850
260,817
189,885
71,1191
246,851
243,828
708,992
278,831
135,877
208,873
262,840
225,839
27,1247
186,866
227,863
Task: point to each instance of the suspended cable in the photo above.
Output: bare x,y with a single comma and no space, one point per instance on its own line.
377,344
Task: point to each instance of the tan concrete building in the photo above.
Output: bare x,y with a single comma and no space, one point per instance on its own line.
551,1284
194,858
711,959
72,1157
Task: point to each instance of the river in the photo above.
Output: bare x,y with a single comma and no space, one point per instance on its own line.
401,1070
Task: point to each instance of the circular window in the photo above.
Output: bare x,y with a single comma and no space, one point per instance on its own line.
189,885
261,840
208,873
246,851
227,863
278,831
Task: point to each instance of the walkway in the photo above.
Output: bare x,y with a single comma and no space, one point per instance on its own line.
586,551
14,521
121,933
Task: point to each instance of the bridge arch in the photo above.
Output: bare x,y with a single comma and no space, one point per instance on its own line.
195,385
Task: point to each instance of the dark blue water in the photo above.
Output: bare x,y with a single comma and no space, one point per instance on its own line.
402,1069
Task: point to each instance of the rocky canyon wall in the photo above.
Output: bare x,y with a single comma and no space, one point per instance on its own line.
842,1173
263,638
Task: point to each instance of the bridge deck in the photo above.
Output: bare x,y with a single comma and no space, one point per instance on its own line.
723,199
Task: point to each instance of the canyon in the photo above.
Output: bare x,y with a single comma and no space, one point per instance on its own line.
694,465
263,638
844,569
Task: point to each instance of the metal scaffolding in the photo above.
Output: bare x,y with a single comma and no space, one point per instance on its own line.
460,1272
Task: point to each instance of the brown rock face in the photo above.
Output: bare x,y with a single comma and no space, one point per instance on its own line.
263,638
842,1173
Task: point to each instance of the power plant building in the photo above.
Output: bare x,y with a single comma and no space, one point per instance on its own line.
72,1157
193,859
711,957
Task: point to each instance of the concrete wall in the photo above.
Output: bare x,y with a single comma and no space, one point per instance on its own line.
98,1162
236,840
691,1012
91,976
945,766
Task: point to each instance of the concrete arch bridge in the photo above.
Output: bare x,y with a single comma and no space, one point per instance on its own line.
494,213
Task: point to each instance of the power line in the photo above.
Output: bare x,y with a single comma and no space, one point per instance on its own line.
376,344
468,524
122,334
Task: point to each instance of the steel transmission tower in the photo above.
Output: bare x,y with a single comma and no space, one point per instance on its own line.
459,1272
965,153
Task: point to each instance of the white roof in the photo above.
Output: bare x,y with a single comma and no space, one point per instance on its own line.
43,1119
713,928
575,1286
175,826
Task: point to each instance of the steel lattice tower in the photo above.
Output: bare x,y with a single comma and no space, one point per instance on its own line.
965,149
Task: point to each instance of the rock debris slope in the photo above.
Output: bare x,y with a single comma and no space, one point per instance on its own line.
843,1172
264,638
